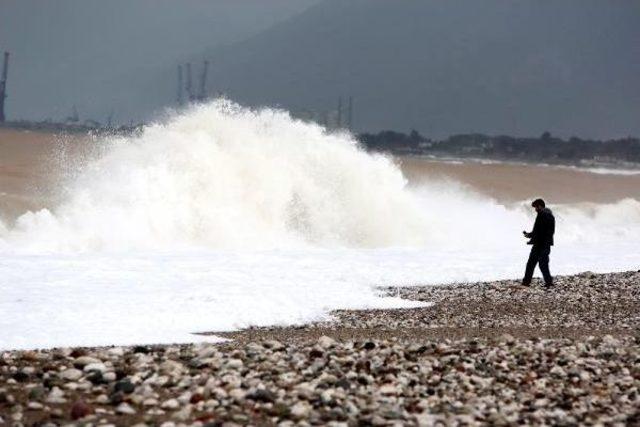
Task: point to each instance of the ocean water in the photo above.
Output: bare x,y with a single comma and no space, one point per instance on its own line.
222,217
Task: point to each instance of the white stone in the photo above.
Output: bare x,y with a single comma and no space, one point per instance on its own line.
170,404
326,396
84,386
185,397
71,386
185,382
234,364
71,374
99,366
207,351
300,410
610,341
102,399
219,393
237,394
388,389
326,342
56,396
28,370
109,376
171,366
159,380
150,402
116,351
183,414
305,391
125,408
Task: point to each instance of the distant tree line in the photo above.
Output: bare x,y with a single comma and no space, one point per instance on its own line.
546,148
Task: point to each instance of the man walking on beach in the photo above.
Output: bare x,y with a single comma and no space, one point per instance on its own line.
541,237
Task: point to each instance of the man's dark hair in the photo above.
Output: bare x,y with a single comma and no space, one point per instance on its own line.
538,202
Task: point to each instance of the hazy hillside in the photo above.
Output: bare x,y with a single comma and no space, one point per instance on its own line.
104,55
494,66
516,67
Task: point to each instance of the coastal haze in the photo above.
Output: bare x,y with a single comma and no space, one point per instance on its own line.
570,67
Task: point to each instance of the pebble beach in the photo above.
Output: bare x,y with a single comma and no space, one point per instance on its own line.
484,353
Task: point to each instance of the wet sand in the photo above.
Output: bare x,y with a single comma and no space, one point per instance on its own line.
516,182
31,165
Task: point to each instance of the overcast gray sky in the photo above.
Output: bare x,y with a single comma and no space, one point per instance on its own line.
98,54
516,67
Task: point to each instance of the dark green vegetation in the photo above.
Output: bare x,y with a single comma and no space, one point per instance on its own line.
545,148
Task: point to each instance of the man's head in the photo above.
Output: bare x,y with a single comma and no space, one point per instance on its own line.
538,204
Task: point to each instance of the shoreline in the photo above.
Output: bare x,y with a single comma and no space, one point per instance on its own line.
621,167
512,183
491,352
581,305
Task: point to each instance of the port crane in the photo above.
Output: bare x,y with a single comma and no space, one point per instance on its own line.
3,86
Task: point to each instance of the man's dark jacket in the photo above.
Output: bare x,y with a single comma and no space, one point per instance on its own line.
543,229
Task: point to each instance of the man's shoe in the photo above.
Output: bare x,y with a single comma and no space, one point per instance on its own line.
525,283
548,285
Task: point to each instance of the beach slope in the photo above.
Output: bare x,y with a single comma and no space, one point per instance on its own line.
489,353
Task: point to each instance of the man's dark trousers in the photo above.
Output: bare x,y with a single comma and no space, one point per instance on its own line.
539,255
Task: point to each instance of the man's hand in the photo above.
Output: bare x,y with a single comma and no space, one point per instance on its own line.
527,235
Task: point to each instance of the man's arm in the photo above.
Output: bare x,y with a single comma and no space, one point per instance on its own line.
536,228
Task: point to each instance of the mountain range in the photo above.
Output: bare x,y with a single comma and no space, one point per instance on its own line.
519,67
